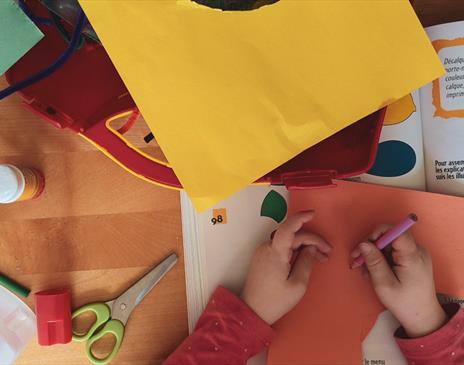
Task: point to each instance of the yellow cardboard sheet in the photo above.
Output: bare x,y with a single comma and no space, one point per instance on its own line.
232,95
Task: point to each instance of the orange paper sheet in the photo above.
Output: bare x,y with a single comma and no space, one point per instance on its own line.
340,306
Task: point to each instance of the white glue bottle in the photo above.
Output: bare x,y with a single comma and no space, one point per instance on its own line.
19,183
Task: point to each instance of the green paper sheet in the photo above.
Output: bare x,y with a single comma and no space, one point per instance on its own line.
18,34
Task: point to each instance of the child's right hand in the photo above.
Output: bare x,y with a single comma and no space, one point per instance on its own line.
407,289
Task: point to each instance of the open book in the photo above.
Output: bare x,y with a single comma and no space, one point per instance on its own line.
422,142
422,147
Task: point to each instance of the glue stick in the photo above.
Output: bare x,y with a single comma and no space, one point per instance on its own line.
19,183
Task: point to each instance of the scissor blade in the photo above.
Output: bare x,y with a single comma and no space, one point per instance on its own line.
131,298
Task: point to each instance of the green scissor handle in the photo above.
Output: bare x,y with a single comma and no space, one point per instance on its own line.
113,327
102,313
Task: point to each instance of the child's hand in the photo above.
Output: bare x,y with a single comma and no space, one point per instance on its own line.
273,287
407,290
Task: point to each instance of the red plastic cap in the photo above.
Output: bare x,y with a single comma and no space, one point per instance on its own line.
53,310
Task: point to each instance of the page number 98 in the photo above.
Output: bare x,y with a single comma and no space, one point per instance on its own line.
218,219
219,216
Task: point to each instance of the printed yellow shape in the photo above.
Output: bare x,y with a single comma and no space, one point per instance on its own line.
400,110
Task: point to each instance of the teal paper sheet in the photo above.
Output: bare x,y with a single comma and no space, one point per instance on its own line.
18,34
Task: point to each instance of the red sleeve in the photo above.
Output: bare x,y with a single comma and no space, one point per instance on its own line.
227,333
444,346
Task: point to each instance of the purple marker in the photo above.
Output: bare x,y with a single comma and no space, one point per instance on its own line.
389,236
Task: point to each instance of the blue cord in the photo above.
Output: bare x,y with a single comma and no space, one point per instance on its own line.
81,21
35,19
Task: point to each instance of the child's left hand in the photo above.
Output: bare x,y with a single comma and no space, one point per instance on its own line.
273,287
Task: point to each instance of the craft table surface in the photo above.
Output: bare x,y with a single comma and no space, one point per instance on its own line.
97,228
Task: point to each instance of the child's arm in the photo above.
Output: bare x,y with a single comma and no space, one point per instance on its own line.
430,334
227,333
231,331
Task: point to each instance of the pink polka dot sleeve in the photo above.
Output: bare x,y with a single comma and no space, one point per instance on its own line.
445,346
227,333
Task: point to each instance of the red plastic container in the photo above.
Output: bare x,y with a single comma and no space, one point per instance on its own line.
87,93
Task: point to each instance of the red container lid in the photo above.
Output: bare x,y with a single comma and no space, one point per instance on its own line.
350,152
54,323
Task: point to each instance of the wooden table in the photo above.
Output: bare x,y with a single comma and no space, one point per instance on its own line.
95,230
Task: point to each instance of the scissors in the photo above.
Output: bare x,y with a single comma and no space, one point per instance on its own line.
112,316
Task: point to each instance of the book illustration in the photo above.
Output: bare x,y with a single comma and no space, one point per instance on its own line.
394,158
442,110
434,131
400,110
219,216
448,90
274,206
400,155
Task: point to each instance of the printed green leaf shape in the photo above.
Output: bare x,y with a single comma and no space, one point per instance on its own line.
274,206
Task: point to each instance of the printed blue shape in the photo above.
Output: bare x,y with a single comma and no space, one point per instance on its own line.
394,158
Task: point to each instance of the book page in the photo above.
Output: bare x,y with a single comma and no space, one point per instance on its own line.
218,250
227,247
442,106
400,155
